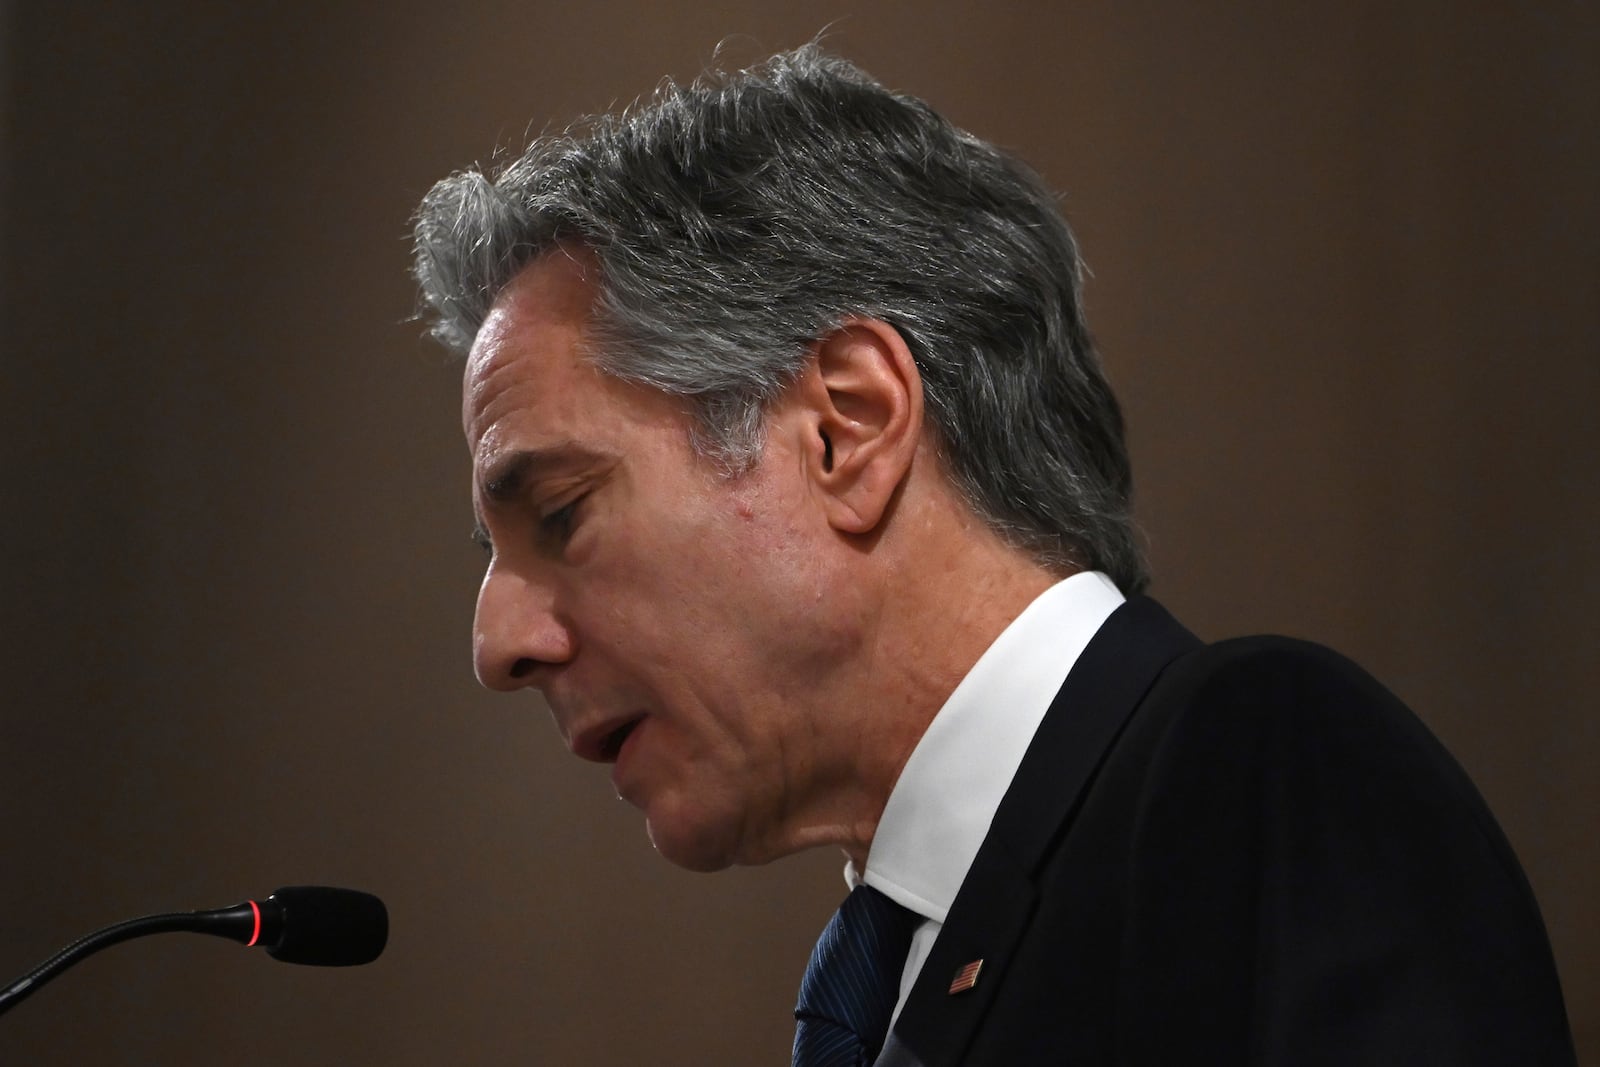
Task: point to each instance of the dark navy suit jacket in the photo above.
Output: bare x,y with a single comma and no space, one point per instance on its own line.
1244,853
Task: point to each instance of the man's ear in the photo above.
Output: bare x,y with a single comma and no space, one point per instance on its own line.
861,398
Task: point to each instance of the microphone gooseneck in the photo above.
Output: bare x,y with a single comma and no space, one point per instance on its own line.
317,925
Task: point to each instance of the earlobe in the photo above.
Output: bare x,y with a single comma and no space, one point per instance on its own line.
863,397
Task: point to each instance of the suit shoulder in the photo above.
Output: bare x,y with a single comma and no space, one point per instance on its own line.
1269,658
1253,718
1268,682
1323,840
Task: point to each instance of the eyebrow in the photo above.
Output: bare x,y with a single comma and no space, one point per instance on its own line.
506,476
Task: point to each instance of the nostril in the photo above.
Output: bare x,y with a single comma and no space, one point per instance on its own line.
522,668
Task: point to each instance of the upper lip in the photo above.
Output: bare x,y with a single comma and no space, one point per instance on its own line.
601,742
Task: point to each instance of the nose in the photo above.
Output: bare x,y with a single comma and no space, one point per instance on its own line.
516,634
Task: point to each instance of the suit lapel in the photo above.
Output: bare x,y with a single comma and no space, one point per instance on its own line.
996,902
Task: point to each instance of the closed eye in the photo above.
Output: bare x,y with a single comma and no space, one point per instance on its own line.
556,526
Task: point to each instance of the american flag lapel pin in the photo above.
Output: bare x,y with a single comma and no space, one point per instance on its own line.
966,977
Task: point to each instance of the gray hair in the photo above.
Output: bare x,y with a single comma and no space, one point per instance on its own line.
740,219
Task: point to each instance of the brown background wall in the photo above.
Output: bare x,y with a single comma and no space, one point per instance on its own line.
1346,279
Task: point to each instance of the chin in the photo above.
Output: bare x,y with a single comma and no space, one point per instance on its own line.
694,845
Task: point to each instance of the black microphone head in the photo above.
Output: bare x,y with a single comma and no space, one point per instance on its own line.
328,927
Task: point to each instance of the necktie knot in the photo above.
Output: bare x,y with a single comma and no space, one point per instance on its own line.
852,982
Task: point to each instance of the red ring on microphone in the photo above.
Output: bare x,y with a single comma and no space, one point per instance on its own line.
257,935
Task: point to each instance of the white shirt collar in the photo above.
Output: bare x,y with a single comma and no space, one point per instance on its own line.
940,808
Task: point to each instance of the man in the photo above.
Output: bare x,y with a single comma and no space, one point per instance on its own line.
808,511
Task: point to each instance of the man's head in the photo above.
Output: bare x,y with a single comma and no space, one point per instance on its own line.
780,407
737,221
743,647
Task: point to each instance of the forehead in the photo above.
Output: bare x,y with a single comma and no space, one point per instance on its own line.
529,385
531,340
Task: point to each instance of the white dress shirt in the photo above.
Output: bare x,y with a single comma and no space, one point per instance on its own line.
941,806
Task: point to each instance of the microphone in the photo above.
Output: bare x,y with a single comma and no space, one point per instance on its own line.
312,924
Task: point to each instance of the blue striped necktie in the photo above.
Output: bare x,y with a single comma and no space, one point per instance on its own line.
852,982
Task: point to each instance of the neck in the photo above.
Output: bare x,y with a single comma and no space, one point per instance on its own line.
940,607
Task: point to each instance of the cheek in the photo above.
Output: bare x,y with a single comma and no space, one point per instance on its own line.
711,598
705,565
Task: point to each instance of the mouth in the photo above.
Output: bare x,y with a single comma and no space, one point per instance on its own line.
603,743
611,744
